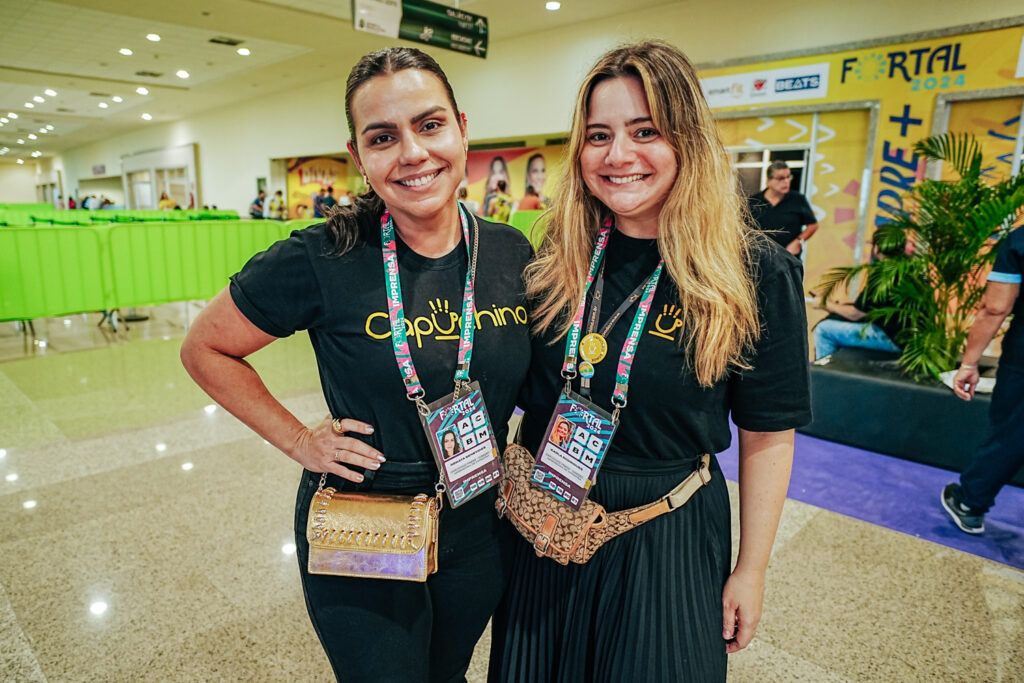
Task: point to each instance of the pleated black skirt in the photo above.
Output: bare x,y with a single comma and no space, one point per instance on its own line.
648,605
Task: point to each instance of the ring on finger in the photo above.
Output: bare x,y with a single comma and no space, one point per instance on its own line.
337,455
336,426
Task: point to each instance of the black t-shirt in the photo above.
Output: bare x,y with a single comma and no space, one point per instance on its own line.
342,303
1009,268
669,416
786,220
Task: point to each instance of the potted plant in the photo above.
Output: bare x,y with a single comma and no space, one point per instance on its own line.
945,241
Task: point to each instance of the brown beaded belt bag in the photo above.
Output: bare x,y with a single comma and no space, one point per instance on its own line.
373,536
565,535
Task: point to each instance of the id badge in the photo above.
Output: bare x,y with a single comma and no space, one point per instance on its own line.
463,444
573,449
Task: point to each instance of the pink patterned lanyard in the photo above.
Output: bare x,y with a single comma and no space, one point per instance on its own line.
625,364
413,388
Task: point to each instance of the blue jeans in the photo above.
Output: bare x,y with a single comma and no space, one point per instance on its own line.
830,335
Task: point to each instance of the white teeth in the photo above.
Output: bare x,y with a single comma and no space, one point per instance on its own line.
416,182
622,180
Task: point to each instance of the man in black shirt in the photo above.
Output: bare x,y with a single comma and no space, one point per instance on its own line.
1001,454
784,216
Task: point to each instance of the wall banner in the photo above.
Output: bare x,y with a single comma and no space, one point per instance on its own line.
767,86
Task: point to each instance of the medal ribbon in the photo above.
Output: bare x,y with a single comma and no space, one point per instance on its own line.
572,342
413,388
625,364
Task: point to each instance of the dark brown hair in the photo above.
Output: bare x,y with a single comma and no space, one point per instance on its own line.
343,221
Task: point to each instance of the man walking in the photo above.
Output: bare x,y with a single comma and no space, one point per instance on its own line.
999,457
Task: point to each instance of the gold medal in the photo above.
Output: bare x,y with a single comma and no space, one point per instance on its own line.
593,348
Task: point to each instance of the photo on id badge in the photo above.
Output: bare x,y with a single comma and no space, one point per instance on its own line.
573,449
463,444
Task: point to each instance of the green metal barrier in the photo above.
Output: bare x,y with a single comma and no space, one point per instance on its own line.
155,263
524,222
51,271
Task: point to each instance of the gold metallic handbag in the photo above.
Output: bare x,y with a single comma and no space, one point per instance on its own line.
565,535
371,535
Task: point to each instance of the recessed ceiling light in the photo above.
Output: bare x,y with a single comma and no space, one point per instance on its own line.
49,126
20,141
38,99
49,92
142,91
117,98
28,504
153,36
4,119
20,161
33,136
37,153
126,51
146,117
181,73
29,105
43,131
552,6
244,51
103,105
12,114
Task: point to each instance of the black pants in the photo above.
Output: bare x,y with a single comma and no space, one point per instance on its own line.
1002,453
381,630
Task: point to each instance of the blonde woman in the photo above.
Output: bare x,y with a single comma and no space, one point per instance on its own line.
724,335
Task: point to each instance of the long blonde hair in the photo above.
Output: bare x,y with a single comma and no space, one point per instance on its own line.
703,233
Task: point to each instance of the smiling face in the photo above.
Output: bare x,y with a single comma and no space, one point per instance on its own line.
561,431
409,143
537,174
626,162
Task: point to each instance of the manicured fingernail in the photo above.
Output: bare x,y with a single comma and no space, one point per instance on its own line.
382,458
374,465
359,477
369,430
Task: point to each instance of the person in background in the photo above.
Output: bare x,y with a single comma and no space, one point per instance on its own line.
276,209
496,172
318,199
165,203
328,202
501,204
783,215
71,203
345,198
1001,454
845,326
471,205
256,208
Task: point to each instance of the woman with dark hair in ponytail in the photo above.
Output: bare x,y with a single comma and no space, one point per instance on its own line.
405,257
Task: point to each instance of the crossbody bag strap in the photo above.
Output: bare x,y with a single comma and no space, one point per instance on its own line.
671,500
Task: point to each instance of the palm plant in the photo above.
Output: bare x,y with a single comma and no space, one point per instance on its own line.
943,242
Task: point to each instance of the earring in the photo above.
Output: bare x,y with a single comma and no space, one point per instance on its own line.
366,180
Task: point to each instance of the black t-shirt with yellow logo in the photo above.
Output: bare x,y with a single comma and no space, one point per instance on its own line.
669,416
341,301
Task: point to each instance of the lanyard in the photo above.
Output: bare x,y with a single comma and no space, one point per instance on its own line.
413,388
628,352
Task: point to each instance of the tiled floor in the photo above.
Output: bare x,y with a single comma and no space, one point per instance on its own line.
144,535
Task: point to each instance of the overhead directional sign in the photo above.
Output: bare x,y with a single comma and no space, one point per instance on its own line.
422,21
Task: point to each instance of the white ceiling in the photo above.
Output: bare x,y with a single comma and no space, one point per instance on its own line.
72,47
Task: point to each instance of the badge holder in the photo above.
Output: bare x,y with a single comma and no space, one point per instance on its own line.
459,431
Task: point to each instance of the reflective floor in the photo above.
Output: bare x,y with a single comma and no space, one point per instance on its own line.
145,536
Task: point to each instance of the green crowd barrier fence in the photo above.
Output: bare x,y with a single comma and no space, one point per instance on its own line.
48,271
51,271
524,222
18,215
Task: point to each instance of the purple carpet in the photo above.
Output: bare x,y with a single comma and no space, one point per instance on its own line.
894,493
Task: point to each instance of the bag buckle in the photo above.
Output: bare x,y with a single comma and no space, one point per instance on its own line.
500,505
538,546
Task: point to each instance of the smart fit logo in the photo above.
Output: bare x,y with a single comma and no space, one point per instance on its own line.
443,324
